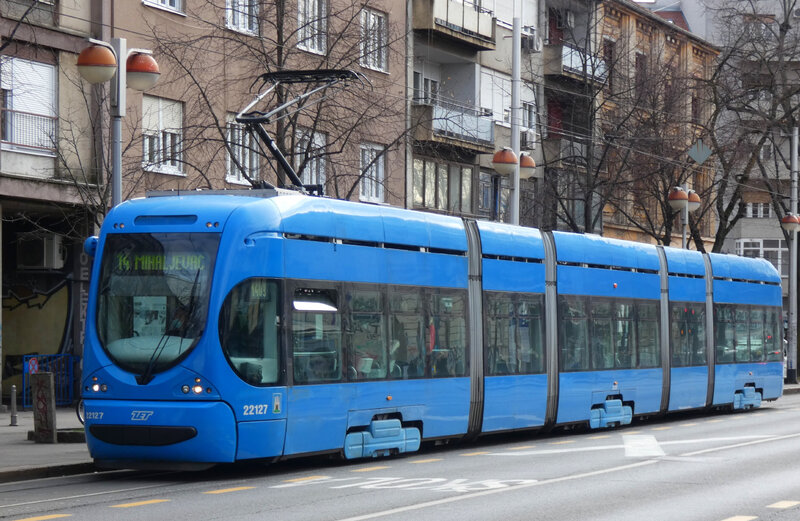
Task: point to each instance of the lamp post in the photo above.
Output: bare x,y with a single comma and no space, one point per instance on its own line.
101,62
684,201
791,223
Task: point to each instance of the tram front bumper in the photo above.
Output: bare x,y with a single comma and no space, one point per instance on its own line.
146,431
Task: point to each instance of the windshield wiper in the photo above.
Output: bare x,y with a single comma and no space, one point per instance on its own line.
182,324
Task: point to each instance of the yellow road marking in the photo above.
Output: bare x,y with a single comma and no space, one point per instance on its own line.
431,460
784,504
226,490
665,428
42,518
475,453
740,518
370,469
522,447
688,424
307,478
563,442
140,503
600,437
714,421
637,431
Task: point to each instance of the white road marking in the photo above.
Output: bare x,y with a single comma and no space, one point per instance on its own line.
642,446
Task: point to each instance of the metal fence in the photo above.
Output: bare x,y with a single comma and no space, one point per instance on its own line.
59,365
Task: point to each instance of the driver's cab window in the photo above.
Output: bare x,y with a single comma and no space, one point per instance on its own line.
316,335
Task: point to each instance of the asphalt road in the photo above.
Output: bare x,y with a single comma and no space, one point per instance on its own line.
733,467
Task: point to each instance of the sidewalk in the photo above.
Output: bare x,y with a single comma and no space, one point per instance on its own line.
21,459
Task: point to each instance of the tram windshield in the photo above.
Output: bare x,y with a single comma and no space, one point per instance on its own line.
153,298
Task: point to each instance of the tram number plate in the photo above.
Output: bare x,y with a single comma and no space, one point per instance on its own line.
253,410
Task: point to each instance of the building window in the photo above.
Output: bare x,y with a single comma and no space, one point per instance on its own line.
242,157
529,115
171,5
443,186
372,168
242,15
609,57
426,90
374,36
162,124
774,250
312,26
310,157
640,76
28,116
758,210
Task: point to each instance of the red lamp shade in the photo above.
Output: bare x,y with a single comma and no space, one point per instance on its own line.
790,222
97,64
142,71
504,161
678,198
527,166
694,200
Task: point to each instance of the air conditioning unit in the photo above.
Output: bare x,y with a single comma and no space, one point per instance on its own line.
40,252
527,140
531,43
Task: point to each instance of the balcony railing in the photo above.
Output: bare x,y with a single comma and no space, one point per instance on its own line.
464,20
451,121
564,58
28,130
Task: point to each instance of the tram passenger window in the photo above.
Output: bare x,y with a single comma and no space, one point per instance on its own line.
756,335
573,333
248,328
366,335
687,334
724,333
407,345
446,335
773,337
501,335
647,334
624,343
742,329
316,336
600,335
530,311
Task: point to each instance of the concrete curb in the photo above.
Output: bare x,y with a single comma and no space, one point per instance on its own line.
23,474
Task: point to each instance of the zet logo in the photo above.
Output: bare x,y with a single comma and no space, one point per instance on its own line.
141,416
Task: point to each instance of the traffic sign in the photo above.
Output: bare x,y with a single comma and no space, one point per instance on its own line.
699,152
33,366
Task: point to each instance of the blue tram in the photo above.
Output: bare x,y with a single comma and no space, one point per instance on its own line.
264,324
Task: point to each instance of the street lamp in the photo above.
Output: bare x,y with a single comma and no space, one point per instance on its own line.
99,63
527,167
505,161
791,223
684,201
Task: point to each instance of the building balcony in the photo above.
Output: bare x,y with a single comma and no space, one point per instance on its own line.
439,122
567,61
569,153
463,22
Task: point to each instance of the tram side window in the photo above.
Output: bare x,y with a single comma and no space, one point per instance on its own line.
647,333
407,345
446,335
773,338
514,334
366,335
687,334
742,326
248,329
316,335
756,334
724,336
601,339
573,333
624,336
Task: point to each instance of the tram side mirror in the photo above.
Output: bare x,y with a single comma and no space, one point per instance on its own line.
90,245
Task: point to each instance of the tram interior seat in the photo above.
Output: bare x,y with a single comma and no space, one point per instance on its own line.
249,366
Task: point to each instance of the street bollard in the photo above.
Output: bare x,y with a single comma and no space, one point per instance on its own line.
13,406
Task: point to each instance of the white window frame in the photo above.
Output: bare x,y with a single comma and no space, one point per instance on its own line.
30,115
155,141
314,171
312,26
244,148
174,6
242,16
374,40
374,175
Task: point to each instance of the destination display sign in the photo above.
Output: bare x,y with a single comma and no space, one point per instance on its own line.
160,262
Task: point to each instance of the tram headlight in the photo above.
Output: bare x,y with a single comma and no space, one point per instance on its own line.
198,389
185,389
95,387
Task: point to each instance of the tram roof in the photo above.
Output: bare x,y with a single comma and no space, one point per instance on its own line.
602,251
685,262
511,241
743,268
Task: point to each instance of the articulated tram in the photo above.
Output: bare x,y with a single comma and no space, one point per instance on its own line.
261,324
